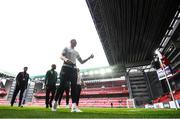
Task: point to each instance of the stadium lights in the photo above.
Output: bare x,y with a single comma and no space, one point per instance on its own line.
133,70
108,70
96,72
146,70
91,73
85,73
102,71
158,53
81,74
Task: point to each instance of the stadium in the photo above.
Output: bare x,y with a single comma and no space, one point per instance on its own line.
141,41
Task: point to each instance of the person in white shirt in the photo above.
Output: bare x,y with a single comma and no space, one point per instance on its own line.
69,73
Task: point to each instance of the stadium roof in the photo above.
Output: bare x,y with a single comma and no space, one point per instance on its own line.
131,30
5,74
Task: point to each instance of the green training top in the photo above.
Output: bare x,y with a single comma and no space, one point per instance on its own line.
51,77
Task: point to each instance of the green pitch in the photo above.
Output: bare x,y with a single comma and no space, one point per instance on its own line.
40,112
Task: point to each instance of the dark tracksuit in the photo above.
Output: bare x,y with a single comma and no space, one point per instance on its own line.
21,84
67,74
50,82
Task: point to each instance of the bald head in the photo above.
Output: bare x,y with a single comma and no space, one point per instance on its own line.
53,66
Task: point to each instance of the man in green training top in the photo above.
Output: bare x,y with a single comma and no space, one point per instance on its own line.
50,83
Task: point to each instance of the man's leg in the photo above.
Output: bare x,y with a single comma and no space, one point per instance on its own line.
14,95
78,94
59,92
47,96
60,96
73,80
53,89
74,91
21,96
67,97
63,77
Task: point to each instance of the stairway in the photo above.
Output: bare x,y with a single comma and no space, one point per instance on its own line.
11,90
29,92
138,87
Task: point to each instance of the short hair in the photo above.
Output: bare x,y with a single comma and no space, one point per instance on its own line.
53,65
73,40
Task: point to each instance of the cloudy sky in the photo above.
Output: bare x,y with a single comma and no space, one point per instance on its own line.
34,32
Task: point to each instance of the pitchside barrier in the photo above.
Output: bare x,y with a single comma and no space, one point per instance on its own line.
162,105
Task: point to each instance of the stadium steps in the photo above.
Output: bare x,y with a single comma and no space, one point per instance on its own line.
139,90
11,90
138,87
29,93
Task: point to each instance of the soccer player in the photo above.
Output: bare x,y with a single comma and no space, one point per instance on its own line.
50,84
69,73
21,85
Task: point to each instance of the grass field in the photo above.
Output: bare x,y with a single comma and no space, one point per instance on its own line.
40,112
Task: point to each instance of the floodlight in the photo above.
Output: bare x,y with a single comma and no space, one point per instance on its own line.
85,73
96,72
108,70
91,73
102,71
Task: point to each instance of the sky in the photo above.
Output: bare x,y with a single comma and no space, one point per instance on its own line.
33,33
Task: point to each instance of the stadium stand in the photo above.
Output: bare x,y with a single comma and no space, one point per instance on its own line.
167,97
3,101
5,77
91,102
97,93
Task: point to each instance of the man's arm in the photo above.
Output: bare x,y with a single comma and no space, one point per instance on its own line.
27,80
65,59
46,77
17,78
85,60
56,76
